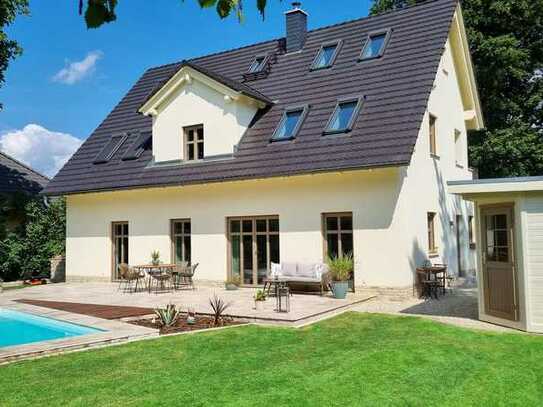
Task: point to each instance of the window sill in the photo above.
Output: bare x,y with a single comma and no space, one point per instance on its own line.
282,140
321,68
372,58
344,132
435,156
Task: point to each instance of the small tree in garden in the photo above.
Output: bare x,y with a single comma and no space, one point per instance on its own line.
45,236
26,251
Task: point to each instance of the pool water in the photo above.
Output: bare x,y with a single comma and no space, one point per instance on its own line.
17,328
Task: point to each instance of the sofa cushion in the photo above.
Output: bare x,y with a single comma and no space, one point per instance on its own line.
306,270
289,269
299,279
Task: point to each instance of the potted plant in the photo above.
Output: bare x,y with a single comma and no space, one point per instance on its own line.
260,297
155,258
341,268
232,283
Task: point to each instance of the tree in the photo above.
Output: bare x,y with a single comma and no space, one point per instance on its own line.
25,251
506,44
99,12
9,49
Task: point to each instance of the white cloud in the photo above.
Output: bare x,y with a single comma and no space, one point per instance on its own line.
44,150
75,71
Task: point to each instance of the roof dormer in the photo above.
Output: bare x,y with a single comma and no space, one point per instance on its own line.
199,115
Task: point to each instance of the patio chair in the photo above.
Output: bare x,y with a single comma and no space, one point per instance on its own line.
128,277
162,282
184,275
429,287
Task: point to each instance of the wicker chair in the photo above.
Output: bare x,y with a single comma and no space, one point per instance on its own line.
129,277
184,274
162,281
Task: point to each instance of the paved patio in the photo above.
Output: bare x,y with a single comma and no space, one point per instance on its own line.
303,307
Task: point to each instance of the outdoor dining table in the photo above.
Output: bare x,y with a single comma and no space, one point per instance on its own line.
150,269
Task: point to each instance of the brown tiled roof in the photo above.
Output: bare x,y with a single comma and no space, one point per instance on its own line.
18,177
396,88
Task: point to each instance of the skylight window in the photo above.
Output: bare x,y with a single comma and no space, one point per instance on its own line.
137,148
326,56
110,149
375,45
258,64
344,116
290,124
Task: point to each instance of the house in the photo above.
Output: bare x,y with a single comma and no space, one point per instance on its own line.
324,142
17,182
509,234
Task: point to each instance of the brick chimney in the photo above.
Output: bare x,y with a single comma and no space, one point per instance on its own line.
296,27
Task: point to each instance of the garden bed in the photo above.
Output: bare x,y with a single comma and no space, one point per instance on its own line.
202,322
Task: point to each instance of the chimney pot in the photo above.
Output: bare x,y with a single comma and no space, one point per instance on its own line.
296,20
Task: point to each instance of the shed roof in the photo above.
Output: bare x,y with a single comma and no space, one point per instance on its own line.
493,185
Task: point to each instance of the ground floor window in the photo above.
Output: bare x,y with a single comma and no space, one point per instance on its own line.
338,234
120,245
254,245
181,242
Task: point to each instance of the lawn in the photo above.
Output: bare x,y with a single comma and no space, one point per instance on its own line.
353,359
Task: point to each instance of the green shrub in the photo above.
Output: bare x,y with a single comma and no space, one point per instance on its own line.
167,316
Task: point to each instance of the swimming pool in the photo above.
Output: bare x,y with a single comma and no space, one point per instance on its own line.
17,328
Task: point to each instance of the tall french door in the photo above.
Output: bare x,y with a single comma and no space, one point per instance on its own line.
254,245
120,246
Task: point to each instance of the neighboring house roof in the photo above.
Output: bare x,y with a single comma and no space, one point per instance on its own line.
396,88
18,177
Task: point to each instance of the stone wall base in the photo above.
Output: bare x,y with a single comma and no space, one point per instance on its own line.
87,279
388,293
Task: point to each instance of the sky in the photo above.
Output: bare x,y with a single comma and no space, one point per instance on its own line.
69,78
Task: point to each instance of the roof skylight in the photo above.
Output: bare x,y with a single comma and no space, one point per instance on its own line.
137,148
110,149
326,56
290,123
375,45
344,116
258,64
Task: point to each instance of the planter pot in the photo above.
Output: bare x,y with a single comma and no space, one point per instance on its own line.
230,287
339,288
259,305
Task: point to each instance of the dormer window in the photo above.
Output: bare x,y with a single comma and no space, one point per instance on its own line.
258,64
375,45
344,116
290,123
194,143
326,56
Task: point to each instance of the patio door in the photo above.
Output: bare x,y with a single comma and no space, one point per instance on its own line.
120,246
499,278
254,245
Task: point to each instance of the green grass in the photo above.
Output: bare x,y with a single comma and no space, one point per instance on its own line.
353,359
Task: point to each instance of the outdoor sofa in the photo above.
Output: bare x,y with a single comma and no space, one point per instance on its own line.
301,273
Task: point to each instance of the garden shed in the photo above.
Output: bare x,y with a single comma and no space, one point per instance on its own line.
509,239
